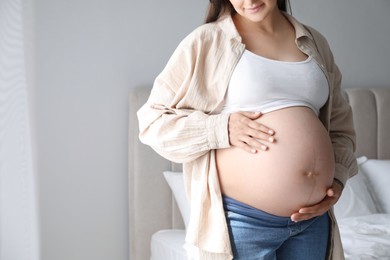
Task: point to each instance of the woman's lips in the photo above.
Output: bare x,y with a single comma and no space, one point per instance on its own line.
254,9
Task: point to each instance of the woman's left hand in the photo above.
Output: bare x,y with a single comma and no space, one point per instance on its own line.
332,196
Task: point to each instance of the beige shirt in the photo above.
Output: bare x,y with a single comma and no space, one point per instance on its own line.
181,123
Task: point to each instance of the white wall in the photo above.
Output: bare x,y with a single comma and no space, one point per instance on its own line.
91,53
19,229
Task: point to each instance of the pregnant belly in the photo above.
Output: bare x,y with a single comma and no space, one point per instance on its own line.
294,172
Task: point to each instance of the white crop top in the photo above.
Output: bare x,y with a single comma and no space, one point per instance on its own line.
263,85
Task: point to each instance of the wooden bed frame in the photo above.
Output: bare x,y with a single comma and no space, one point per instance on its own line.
151,203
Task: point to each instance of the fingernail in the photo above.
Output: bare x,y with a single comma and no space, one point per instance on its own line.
271,139
254,151
264,147
270,132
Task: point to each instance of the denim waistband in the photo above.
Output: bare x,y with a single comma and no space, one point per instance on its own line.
230,204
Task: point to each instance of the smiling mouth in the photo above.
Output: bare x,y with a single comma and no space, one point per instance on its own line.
255,8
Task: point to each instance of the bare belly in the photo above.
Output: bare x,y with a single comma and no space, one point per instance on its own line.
294,172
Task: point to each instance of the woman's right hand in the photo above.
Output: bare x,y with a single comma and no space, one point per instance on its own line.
248,134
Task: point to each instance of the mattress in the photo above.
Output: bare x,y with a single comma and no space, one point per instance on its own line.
168,244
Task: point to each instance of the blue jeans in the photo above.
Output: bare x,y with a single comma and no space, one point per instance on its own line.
257,235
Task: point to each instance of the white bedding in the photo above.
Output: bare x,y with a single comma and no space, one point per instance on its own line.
366,237
168,244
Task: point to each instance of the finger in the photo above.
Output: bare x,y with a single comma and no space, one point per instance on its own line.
254,143
260,135
246,147
260,127
330,192
321,207
315,210
249,133
251,115
311,210
308,213
247,119
296,217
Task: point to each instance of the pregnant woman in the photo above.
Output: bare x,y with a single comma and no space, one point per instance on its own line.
250,103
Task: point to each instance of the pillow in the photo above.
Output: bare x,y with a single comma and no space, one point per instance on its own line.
378,176
176,183
356,199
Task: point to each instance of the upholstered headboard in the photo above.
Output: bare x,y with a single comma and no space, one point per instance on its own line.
152,206
371,109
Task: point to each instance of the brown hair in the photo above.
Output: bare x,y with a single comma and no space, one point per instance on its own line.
217,8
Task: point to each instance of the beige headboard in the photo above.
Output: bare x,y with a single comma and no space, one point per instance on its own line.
371,113
151,204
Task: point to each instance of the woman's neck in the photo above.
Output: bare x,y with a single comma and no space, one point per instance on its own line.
271,23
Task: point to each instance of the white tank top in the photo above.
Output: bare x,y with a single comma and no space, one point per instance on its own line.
263,85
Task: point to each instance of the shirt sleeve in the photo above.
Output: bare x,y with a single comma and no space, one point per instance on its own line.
342,133
170,122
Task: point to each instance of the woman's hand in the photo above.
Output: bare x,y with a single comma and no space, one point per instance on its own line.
332,196
248,134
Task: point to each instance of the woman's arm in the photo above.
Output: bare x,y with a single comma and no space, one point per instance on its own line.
180,135
176,121
342,132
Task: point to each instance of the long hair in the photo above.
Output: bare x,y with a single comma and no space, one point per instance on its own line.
218,8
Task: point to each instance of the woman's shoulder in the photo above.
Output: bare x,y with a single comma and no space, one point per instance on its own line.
307,30
196,46
303,29
205,32
198,39
208,33
322,46
317,35
320,41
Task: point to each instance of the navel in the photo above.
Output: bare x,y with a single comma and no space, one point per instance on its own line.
311,174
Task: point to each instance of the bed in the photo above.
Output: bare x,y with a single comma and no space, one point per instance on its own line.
158,212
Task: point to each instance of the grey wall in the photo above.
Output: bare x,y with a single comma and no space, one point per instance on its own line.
359,34
91,53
